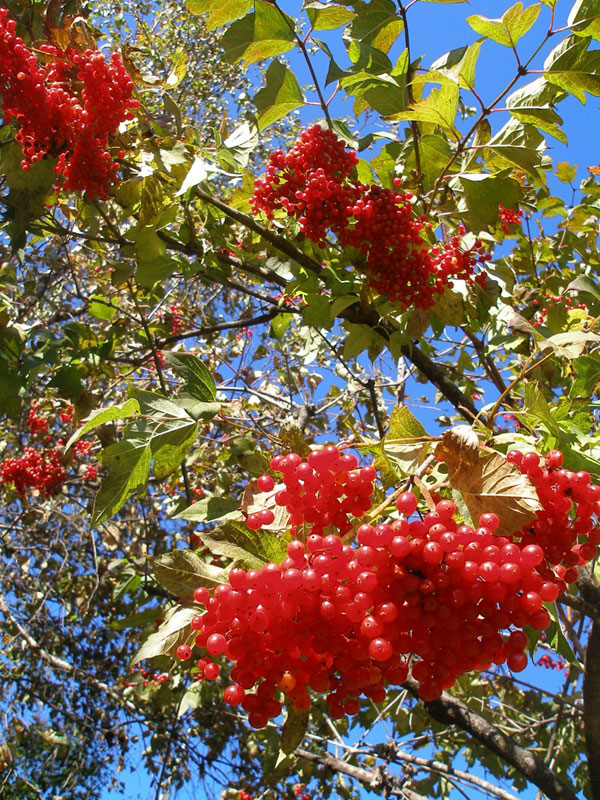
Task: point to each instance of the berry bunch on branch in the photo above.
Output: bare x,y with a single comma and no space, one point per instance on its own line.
420,593
66,105
313,183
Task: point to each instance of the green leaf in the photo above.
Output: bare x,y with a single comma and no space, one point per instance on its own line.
387,95
100,308
556,638
535,405
170,445
129,408
211,509
199,383
481,193
584,18
280,95
533,102
515,144
584,284
439,108
294,729
372,18
508,29
327,16
175,630
404,425
182,571
573,68
565,172
220,12
139,620
262,34
459,65
130,465
587,372
251,549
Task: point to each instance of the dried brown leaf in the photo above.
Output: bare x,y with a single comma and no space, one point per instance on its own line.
488,482
253,501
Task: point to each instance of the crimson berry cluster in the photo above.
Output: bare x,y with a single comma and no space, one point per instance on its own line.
421,595
44,469
542,311
312,182
65,104
509,218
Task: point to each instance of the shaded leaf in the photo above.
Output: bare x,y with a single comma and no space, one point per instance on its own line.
199,383
210,509
175,630
220,12
280,95
251,549
127,409
130,464
182,571
294,729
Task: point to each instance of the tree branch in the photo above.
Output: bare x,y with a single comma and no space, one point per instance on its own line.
449,710
375,779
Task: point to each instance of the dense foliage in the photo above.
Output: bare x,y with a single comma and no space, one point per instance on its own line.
300,459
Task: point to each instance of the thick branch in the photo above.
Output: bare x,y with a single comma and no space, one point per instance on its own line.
451,711
279,242
375,779
438,376
591,708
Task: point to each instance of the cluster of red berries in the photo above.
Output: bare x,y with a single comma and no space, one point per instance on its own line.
35,423
508,217
176,320
548,662
312,183
154,678
325,489
542,313
34,470
420,594
66,105
300,791
44,470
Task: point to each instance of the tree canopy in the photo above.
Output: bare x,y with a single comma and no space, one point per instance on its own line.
299,369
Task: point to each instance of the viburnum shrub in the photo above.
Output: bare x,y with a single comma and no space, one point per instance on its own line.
65,104
422,594
312,183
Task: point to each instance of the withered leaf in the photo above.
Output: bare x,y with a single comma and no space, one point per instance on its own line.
254,500
488,482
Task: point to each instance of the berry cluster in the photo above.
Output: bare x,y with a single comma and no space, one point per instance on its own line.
35,423
312,183
34,470
509,218
66,105
155,678
422,593
44,470
323,490
548,662
542,312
